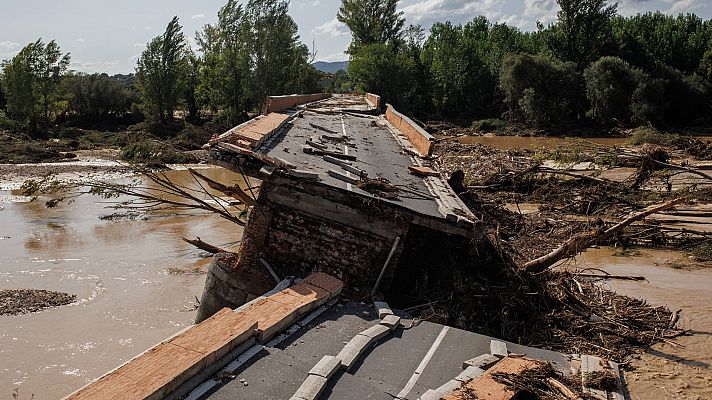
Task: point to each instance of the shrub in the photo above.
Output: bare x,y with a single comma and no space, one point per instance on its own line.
489,125
653,136
610,84
150,151
539,90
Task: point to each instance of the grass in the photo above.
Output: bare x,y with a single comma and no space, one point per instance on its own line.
154,151
642,136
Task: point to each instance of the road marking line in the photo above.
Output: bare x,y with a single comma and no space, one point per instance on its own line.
346,149
423,363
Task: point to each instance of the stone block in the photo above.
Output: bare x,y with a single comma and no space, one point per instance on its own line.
311,388
391,321
343,177
376,332
484,361
353,350
498,348
469,374
326,367
383,309
430,394
448,387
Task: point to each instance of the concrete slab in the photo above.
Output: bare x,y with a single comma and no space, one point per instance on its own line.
376,332
353,350
484,361
391,321
498,348
326,367
311,388
469,374
383,309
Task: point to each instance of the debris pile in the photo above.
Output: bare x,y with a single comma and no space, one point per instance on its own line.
24,301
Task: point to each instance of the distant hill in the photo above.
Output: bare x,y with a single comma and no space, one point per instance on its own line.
331,67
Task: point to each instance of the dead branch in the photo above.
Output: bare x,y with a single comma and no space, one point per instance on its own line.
582,241
232,191
552,171
205,246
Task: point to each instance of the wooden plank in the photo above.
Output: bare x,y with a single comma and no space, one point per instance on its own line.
423,171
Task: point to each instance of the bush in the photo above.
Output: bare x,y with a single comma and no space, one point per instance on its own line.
610,84
154,151
539,90
489,125
653,136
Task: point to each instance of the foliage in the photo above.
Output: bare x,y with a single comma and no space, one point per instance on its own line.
158,72
151,150
380,68
610,84
583,30
653,136
489,125
31,80
98,96
340,82
539,90
371,22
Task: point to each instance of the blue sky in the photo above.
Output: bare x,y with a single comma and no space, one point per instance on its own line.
108,36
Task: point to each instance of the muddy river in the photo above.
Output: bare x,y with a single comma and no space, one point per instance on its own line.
532,142
136,283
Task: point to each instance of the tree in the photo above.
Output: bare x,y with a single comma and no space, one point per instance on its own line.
583,30
279,60
610,84
371,22
379,68
225,70
539,90
158,72
31,80
190,83
98,96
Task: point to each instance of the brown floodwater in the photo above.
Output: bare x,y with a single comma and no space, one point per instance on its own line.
533,142
666,371
123,273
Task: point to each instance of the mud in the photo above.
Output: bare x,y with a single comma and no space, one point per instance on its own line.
681,369
135,282
24,301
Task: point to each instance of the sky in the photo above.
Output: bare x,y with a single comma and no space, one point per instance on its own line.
108,36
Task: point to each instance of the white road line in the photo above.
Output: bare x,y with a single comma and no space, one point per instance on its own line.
423,363
346,149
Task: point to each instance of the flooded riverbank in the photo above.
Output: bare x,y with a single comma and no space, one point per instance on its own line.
535,142
136,282
681,371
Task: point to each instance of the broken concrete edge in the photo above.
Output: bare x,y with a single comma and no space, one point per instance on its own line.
498,348
188,379
421,140
484,361
203,388
284,102
373,100
391,321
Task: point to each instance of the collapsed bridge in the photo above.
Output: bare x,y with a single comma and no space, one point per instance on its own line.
344,190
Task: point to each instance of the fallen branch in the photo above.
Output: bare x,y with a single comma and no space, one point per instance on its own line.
232,191
205,246
582,241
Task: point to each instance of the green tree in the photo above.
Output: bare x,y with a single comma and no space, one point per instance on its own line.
158,72
538,90
583,30
191,81
610,84
225,70
31,80
371,21
379,68
98,96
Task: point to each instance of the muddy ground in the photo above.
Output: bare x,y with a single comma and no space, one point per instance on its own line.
23,301
534,199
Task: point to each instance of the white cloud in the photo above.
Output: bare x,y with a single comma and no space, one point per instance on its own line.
517,21
315,3
333,28
340,56
198,16
94,65
80,40
8,45
426,12
683,6
543,11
